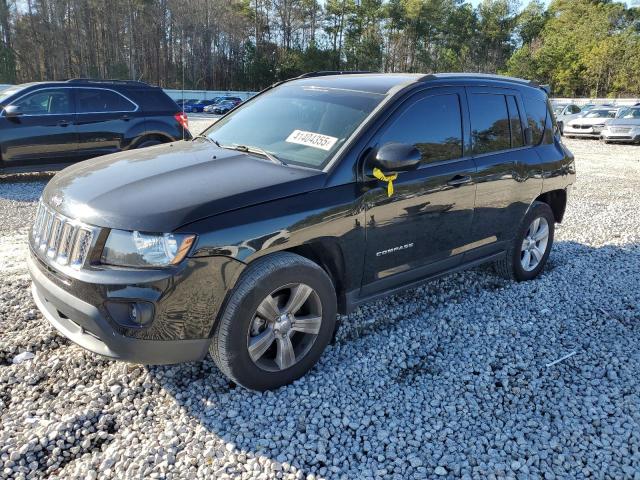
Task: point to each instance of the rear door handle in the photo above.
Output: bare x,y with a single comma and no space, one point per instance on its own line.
125,118
459,180
63,123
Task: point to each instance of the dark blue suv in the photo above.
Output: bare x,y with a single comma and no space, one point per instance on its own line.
47,125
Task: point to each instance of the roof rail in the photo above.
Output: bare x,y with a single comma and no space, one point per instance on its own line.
103,80
483,76
322,73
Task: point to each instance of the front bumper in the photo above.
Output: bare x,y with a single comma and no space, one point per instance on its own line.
630,137
85,325
186,305
580,132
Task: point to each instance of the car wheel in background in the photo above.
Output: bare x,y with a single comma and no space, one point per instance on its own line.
277,322
529,251
148,143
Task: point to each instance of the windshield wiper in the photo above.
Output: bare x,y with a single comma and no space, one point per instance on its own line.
259,151
215,142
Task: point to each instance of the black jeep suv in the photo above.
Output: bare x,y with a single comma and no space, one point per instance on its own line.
48,125
316,195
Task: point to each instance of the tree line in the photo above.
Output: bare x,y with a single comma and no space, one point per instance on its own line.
579,47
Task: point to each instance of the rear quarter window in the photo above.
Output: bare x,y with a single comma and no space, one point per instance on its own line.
153,100
536,117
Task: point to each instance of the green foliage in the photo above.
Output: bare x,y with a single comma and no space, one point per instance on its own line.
580,47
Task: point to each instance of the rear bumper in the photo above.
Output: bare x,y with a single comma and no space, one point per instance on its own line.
85,325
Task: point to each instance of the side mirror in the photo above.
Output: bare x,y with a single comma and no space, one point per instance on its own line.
11,111
395,157
528,136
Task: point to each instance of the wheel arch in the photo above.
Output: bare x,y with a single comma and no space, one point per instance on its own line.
557,200
162,138
327,254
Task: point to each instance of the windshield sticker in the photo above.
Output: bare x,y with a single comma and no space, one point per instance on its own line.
311,139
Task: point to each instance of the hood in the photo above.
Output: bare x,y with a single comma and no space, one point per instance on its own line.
161,188
590,121
631,122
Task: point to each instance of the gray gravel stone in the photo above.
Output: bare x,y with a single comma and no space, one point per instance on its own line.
449,379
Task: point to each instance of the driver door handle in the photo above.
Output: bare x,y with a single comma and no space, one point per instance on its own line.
459,180
63,123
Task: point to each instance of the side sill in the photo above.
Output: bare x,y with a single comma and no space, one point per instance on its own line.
353,299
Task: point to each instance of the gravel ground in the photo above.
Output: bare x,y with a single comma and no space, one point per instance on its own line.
447,380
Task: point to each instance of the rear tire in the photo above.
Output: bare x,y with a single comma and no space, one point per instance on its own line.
528,252
148,143
277,322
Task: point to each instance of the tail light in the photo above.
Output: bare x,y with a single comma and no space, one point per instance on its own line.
182,119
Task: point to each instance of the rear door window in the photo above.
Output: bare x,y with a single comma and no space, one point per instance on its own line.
489,123
95,100
433,125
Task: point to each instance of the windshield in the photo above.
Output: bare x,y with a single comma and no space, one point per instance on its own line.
299,125
9,91
630,113
597,114
558,110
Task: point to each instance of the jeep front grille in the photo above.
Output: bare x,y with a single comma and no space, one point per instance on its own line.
60,240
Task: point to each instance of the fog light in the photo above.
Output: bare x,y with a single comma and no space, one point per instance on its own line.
131,314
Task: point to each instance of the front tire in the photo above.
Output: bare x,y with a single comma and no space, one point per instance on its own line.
276,323
528,253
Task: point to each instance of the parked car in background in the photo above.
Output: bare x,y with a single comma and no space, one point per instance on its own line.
223,107
322,193
220,100
590,106
198,106
183,102
589,125
624,128
46,125
565,112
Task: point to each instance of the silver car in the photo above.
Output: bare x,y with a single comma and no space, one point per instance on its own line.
591,124
565,112
624,128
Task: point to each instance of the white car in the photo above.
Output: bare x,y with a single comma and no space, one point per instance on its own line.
590,125
624,128
564,112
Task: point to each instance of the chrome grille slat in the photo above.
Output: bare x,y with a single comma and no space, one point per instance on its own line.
61,240
66,241
54,238
46,231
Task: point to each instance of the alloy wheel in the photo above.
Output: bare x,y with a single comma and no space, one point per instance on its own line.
284,327
534,245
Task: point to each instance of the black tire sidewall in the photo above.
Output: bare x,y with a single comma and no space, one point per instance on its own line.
148,143
242,368
538,209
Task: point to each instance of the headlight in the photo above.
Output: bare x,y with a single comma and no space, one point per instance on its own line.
137,249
